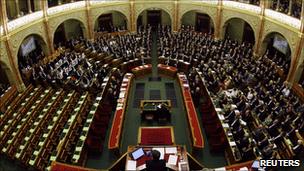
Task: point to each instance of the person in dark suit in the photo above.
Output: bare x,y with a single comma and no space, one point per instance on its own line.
156,163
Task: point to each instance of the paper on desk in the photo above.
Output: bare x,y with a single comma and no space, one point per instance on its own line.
220,169
162,152
172,159
221,117
244,169
131,165
225,125
142,167
171,150
121,94
232,143
218,109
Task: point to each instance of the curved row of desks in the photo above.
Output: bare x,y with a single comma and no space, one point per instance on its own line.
195,129
117,124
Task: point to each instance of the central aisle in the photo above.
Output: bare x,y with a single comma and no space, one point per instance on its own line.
152,87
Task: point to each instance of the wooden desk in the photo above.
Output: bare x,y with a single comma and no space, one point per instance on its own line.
117,124
195,128
142,70
180,152
167,70
232,152
149,107
236,167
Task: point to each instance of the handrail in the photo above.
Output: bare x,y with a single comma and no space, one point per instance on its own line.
197,162
117,161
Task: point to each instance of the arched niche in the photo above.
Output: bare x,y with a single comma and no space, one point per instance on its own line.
109,20
31,51
68,29
154,16
278,48
201,21
239,30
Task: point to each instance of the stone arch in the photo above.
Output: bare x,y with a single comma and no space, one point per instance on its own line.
108,9
74,22
247,26
290,38
266,40
192,15
198,8
28,44
285,52
153,7
40,40
118,12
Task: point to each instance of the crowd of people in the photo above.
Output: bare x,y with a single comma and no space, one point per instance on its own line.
111,29
284,7
234,77
27,62
76,69
280,60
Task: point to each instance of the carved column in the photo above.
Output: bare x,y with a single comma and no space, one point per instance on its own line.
132,17
302,13
295,59
37,6
218,29
290,7
297,55
278,5
17,8
266,4
29,6
258,42
15,78
89,20
44,5
175,14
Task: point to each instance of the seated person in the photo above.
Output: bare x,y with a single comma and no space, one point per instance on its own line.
163,111
156,163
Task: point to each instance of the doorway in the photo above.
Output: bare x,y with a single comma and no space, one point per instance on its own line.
60,36
248,35
105,23
154,17
202,23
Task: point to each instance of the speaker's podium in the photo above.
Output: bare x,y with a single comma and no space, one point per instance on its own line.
175,157
155,110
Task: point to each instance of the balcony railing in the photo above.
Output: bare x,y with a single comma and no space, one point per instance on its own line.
281,17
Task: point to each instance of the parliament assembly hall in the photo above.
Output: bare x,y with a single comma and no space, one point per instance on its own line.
152,85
